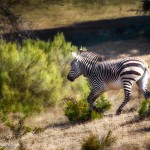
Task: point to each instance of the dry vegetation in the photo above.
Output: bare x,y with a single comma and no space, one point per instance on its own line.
52,16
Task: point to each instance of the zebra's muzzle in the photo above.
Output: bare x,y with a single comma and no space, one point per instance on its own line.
70,78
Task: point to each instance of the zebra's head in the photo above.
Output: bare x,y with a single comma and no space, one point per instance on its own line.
82,60
75,70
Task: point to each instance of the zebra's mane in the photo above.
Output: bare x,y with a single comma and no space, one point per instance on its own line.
91,55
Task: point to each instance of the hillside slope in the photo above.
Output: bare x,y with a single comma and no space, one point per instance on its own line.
129,133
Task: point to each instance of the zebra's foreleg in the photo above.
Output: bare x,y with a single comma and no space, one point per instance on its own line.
126,99
91,99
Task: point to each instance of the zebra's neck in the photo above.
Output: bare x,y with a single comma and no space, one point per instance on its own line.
87,67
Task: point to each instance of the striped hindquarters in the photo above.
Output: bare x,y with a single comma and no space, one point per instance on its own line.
133,69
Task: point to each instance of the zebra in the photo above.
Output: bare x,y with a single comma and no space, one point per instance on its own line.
109,75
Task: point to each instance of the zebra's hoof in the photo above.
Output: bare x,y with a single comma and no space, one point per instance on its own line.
89,117
99,110
118,112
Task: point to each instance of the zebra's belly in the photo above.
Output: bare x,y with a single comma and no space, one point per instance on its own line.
114,85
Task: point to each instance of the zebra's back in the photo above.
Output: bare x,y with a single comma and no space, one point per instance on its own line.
114,73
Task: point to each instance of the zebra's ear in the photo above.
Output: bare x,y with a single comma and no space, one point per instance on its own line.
81,50
74,54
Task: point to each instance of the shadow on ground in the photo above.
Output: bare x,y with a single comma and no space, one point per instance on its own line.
121,37
94,32
64,125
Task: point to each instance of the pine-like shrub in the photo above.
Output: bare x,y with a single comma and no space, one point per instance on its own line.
78,111
33,75
103,103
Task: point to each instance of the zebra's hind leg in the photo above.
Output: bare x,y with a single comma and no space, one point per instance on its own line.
127,92
142,84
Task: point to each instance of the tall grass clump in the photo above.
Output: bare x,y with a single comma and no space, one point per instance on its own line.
78,111
33,75
144,110
94,143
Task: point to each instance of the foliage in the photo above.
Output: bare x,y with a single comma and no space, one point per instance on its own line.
33,75
91,143
2,148
104,103
94,143
144,108
78,111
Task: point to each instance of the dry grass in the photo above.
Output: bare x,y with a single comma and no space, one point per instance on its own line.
71,137
46,16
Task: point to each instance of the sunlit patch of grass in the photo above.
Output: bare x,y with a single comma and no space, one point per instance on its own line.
47,16
129,147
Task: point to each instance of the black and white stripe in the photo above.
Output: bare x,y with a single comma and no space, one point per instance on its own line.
108,75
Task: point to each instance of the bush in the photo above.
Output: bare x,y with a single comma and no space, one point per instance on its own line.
91,143
103,103
77,111
144,110
94,143
33,75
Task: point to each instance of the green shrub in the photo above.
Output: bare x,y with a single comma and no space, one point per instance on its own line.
91,143
103,103
33,75
94,143
77,111
144,108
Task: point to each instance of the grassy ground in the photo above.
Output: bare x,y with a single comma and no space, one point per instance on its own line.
68,136
46,16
